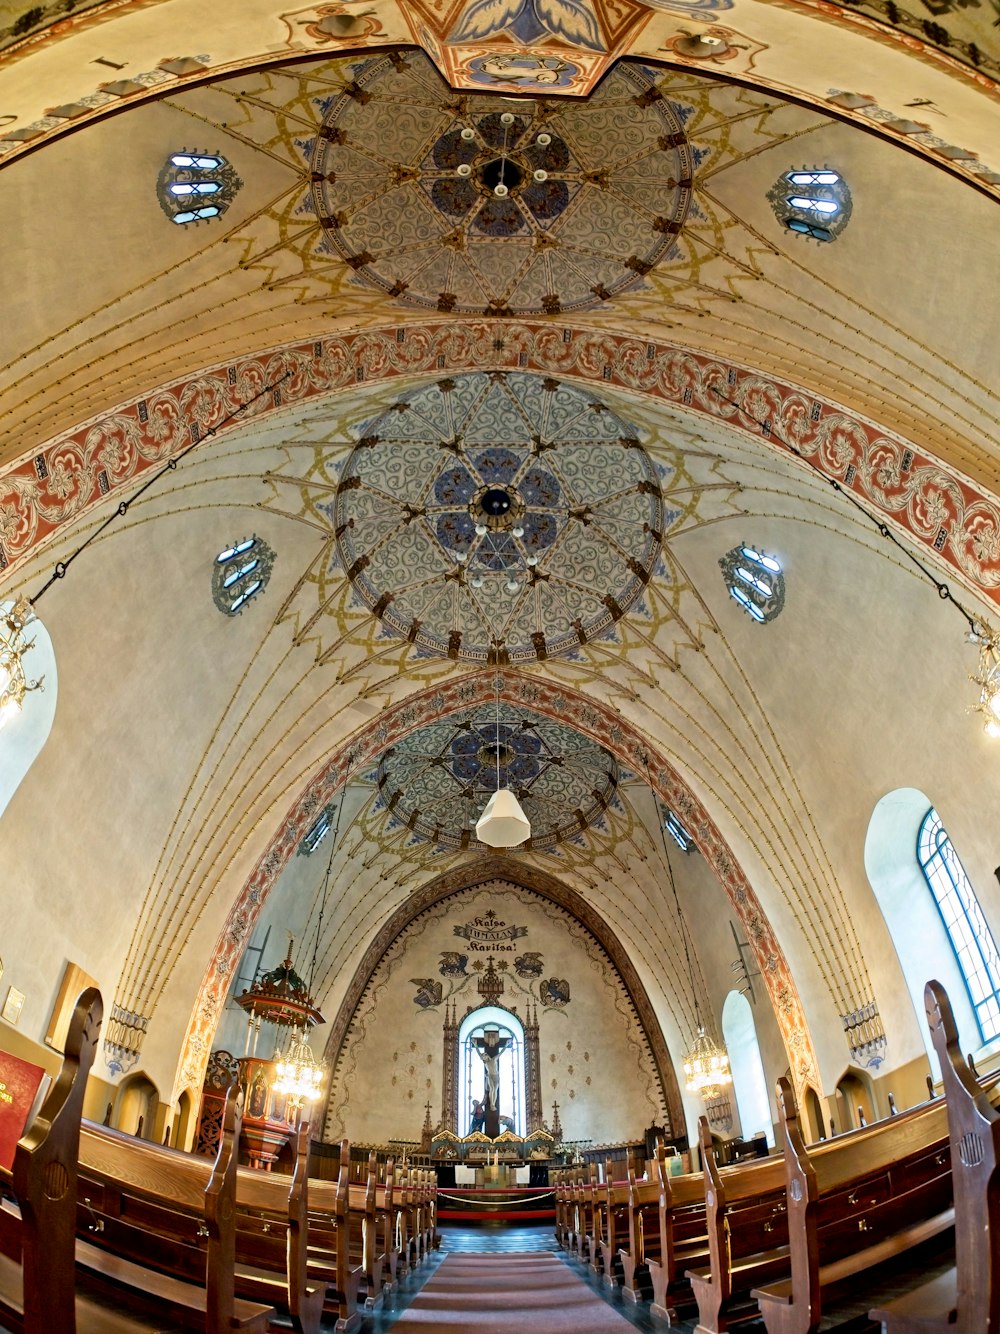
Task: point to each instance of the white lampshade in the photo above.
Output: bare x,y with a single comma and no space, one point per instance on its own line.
503,824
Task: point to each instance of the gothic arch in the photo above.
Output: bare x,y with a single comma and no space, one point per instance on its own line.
586,715
462,878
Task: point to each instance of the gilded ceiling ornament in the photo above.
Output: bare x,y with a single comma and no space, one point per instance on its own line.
499,208
499,517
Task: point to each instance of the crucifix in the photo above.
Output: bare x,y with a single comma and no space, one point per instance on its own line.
489,1047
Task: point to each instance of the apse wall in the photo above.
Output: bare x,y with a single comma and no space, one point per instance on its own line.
595,1061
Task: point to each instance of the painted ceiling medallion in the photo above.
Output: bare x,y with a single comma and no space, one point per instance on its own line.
437,779
498,517
483,205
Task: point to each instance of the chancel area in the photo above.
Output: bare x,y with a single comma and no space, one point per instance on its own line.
499,664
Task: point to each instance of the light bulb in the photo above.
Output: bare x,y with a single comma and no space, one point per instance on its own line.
476,581
481,530
464,169
507,118
512,585
500,190
468,134
543,140
532,561
993,703
9,712
518,530
461,557
540,175
992,727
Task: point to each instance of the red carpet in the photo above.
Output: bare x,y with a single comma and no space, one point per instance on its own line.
501,1294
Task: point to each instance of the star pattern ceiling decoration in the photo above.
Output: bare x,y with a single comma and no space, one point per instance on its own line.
437,780
532,207
499,517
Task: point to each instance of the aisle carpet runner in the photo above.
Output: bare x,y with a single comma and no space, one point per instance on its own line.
501,1294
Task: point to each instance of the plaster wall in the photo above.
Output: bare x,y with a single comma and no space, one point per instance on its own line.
594,1059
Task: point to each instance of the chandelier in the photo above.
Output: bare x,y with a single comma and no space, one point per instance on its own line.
706,1066
14,684
299,1075
502,824
988,679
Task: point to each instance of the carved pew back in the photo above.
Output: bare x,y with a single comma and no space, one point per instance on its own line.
41,1237
330,1262
965,1300
165,1223
746,1230
855,1201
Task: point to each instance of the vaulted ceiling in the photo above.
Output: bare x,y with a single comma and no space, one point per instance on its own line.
628,351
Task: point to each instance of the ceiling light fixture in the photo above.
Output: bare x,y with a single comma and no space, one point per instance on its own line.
502,824
706,1063
14,682
979,632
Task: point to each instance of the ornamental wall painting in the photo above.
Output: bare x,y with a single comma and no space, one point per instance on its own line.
509,46
492,980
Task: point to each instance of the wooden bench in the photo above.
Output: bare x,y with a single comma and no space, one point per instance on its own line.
682,1242
330,1264
747,1236
38,1227
965,1299
612,1207
587,1240
385,1214
643,1214
854,1202
158,1227
364,1236
272,1216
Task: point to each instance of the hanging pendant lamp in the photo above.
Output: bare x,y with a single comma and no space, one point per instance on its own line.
502,824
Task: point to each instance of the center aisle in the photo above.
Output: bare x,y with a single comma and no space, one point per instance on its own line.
503,1293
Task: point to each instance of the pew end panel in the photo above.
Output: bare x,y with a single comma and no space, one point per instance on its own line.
854,1203
965,1299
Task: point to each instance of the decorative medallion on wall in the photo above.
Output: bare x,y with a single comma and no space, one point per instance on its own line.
437,779
499,517
481,207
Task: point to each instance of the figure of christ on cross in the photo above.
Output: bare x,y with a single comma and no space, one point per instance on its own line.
489,1047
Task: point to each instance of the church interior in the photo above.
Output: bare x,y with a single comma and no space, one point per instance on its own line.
413,401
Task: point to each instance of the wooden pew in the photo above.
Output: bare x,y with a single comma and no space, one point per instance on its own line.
590,1188
385,1214
853,1203
329,1262
965,1299
153,1214
272,1215
746,1231
364,1236
612,1206
643,1213
38,1234
682,1243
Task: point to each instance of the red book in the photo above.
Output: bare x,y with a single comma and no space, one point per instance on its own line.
20,1090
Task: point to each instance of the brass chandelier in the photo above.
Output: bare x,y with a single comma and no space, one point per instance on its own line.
14,681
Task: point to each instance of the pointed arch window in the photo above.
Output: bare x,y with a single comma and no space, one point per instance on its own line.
970,936
495,1027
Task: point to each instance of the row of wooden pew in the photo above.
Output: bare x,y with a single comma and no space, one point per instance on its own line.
103,1232
787,1237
